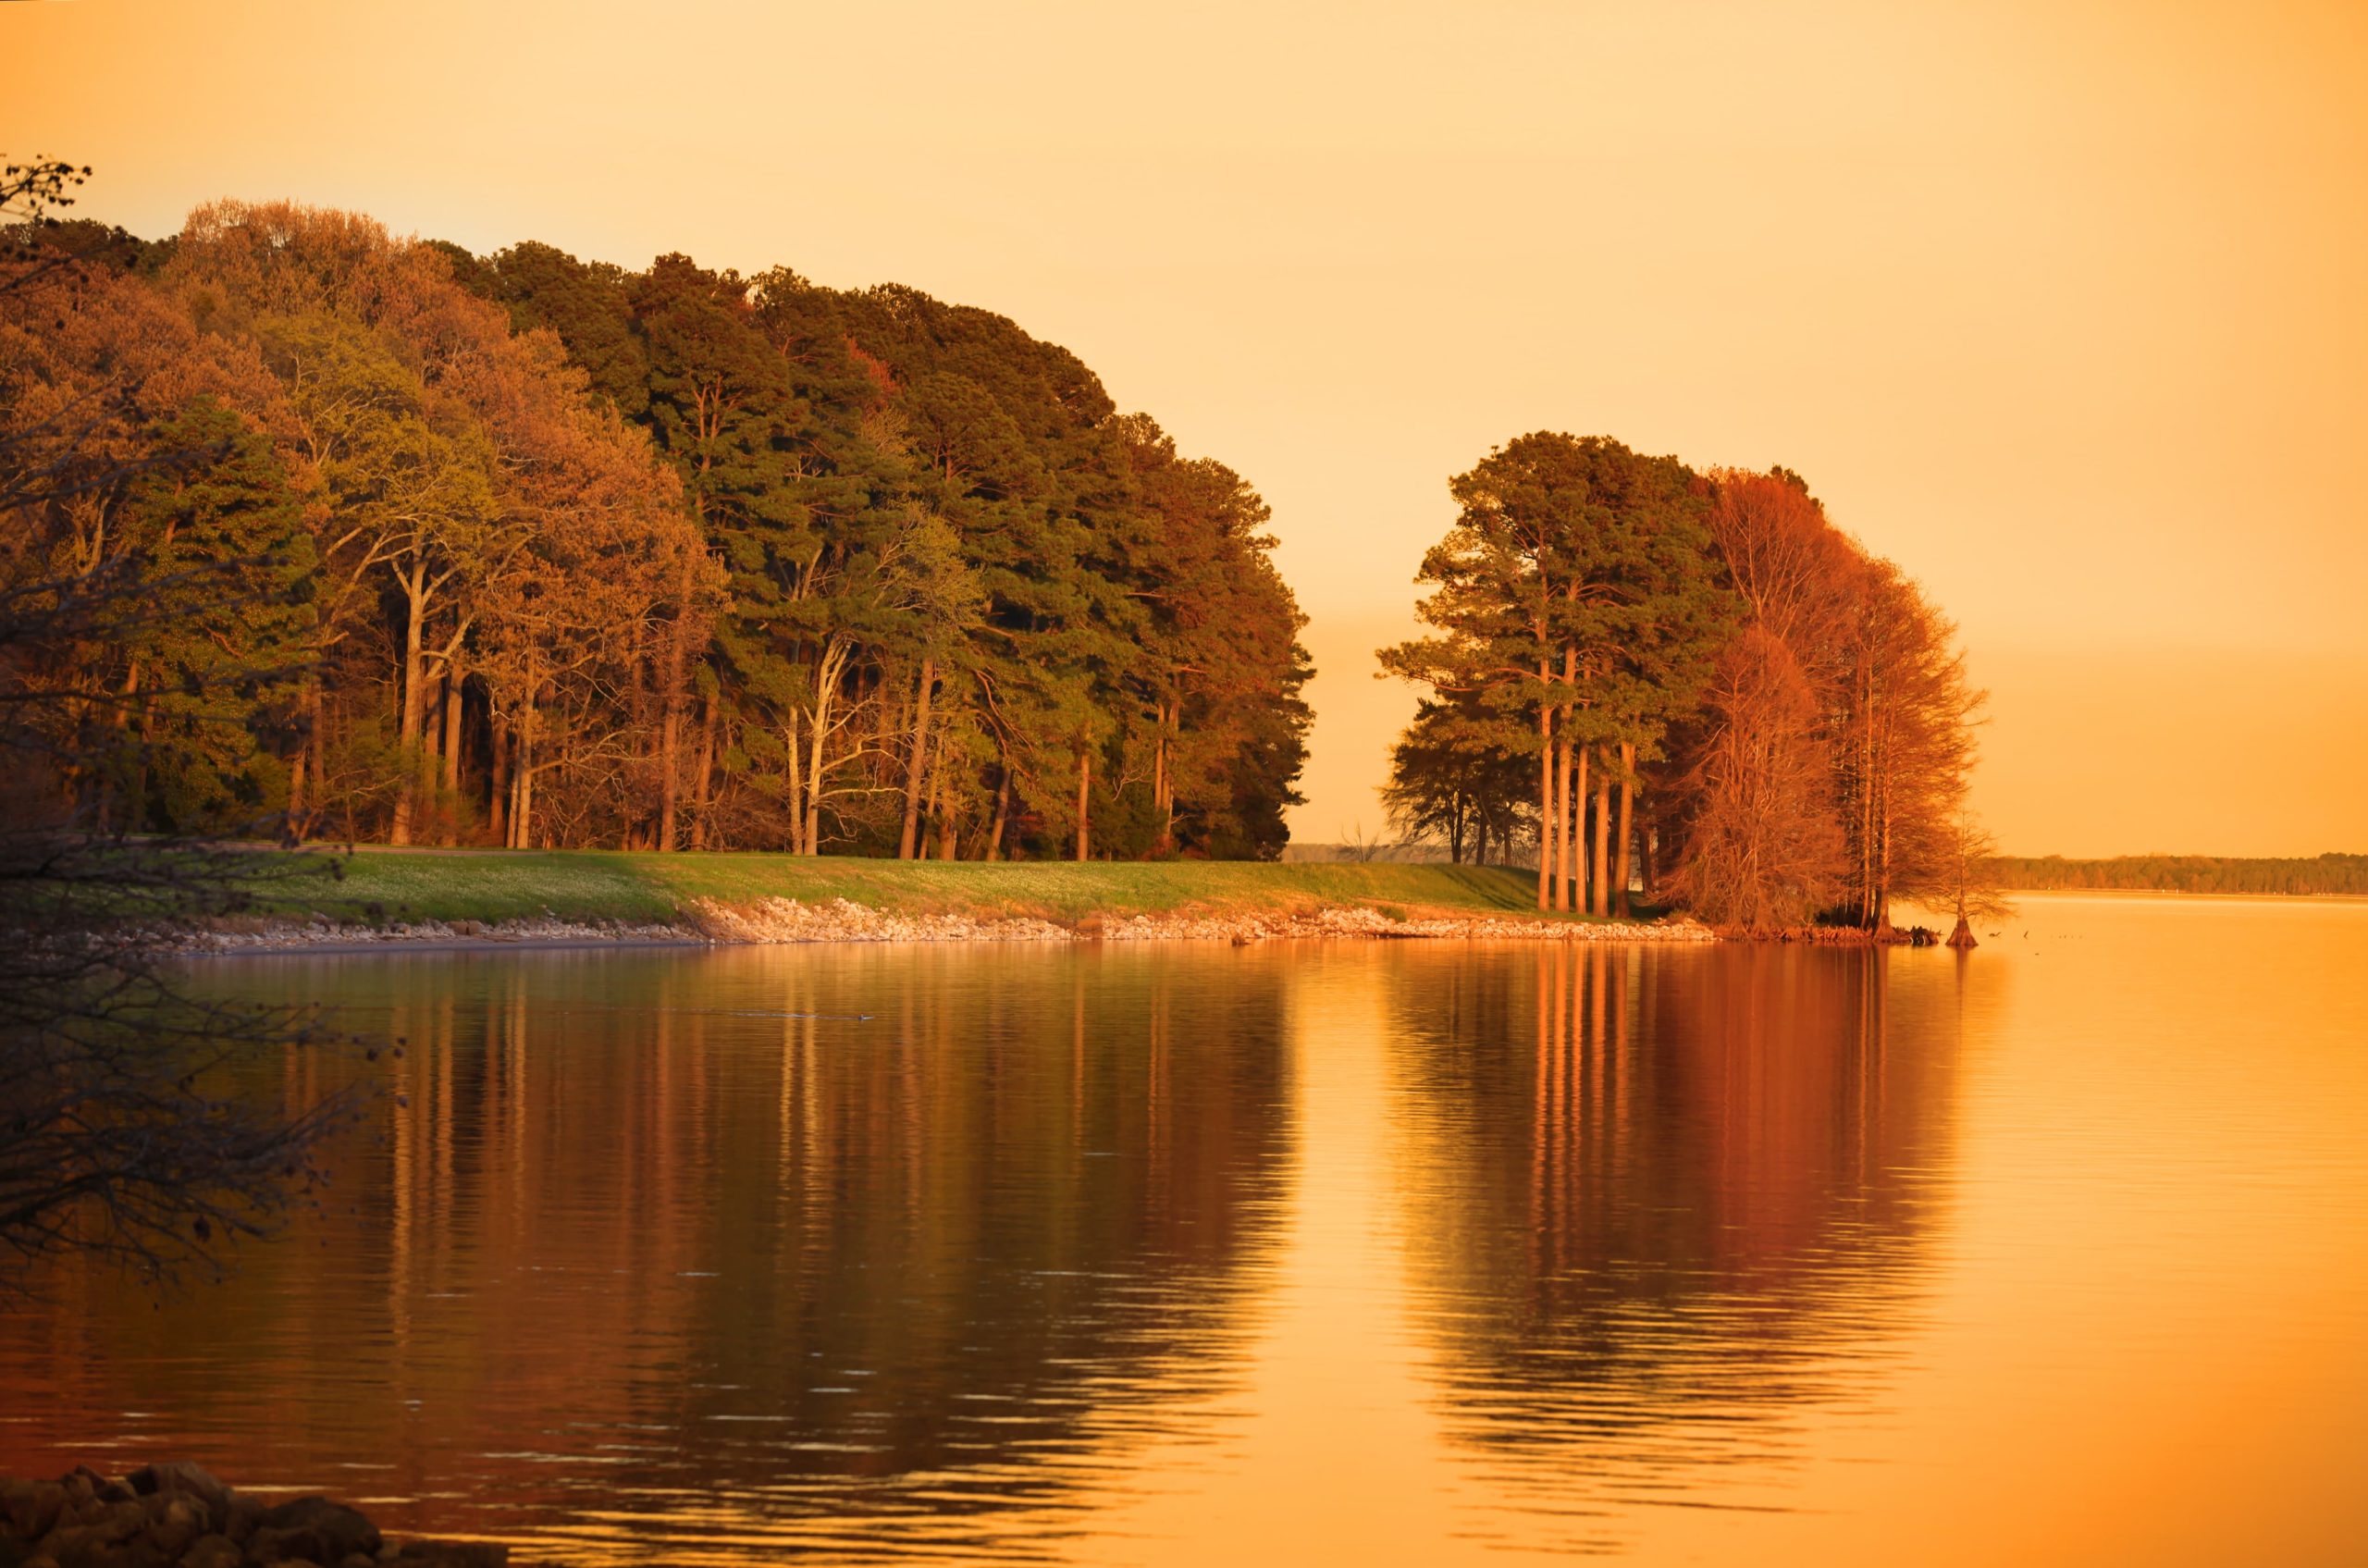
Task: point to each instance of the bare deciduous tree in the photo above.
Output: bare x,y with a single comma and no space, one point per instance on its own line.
120,1129
1973,891
1766,849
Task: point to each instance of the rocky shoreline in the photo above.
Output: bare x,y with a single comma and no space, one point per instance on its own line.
161,1516
787,920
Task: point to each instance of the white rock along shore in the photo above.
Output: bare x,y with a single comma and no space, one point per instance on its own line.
781,920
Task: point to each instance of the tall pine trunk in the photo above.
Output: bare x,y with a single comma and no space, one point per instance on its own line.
291,831
497,785
426,823
1575,830
308,760
814,779
796,786
1162,788
1627,805
1084,787
1602,843
1002,810
522,809
940,795
933,808
1562,812
412,699
669,740
1573,855
455,714
669,729
703,774
907,845
1545,799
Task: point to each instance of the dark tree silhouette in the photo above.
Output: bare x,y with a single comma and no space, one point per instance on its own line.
120,1130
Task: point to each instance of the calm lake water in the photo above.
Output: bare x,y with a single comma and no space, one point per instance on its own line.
2055,1253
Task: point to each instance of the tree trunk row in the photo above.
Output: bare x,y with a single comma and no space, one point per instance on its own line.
1571,877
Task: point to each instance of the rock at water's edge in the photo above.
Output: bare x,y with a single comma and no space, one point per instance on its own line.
164,1515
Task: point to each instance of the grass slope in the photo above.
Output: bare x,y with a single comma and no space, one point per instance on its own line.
597,884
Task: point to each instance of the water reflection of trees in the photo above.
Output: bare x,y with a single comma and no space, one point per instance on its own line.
738,1242
1663,1200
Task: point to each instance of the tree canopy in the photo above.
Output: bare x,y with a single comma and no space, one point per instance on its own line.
559,554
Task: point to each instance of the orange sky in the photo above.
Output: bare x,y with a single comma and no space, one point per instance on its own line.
2063,306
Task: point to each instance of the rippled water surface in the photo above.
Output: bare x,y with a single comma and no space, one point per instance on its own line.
1378,1252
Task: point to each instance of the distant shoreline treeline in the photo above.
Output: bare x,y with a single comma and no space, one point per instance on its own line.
421,546
2322,875
2184,873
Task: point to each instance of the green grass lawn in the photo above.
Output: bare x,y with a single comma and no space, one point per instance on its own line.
381,884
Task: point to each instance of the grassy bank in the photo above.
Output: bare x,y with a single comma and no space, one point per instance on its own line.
587,885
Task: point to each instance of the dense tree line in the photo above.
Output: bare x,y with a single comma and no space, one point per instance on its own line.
535,551
2187,873
1694,681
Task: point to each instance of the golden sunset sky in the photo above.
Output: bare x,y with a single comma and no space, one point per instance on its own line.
2063,306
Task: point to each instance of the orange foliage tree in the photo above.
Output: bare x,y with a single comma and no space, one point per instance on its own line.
505,564
1833,757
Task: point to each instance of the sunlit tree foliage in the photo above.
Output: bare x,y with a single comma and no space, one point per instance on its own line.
576,555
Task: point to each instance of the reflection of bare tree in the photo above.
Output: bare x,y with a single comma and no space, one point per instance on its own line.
747,1242
1668,1197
